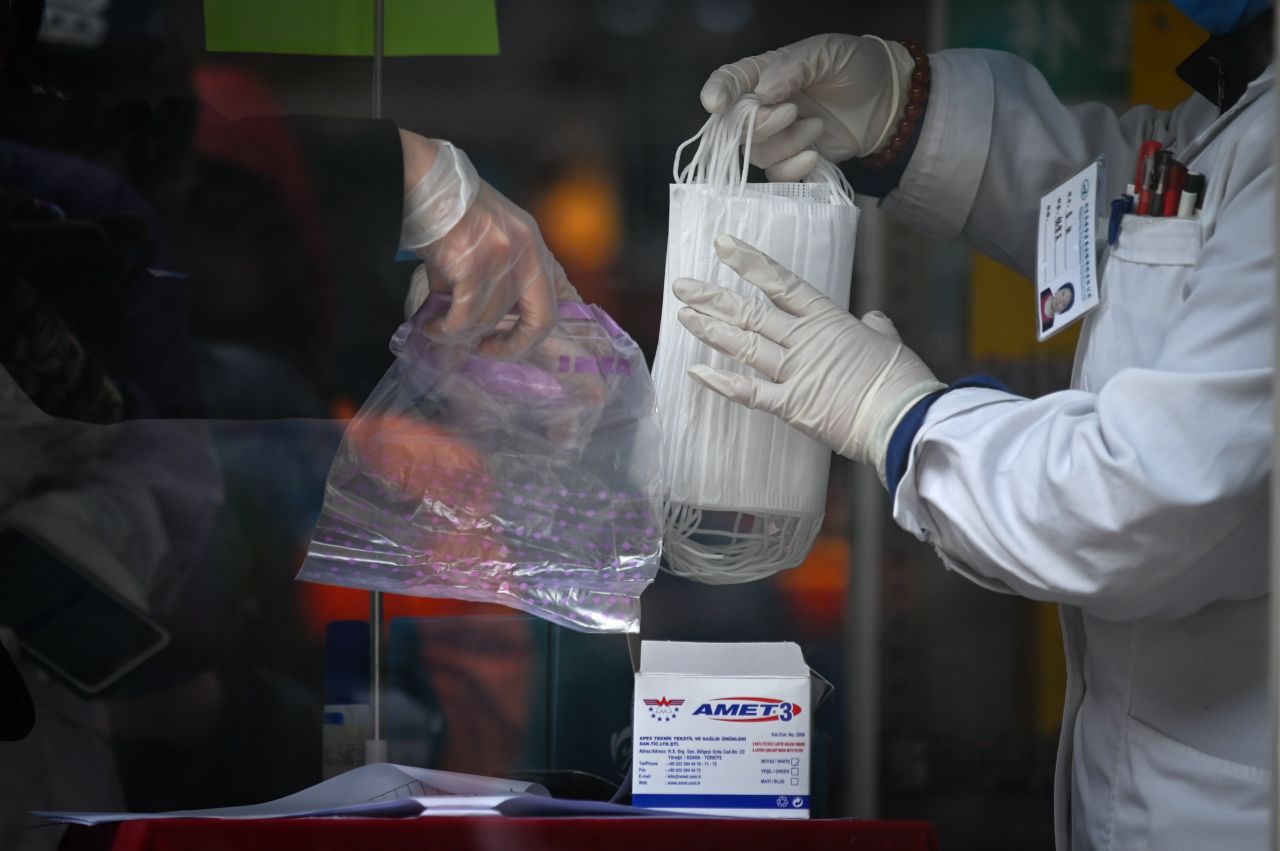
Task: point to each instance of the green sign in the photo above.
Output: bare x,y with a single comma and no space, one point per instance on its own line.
345,27
1081,46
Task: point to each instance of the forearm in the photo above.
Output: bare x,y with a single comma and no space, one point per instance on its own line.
1142,493
995,138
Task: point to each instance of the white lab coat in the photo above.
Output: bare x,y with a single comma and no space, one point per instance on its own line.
1138,499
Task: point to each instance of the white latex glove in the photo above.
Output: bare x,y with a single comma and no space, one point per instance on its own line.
844,382
486,252
843,93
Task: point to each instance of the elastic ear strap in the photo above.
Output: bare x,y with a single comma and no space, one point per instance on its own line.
897,95
723,170
683,175
714,161
746,145
827,172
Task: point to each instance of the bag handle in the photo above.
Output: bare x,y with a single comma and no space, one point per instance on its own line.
716,164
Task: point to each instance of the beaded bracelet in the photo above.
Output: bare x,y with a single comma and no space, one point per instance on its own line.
917,97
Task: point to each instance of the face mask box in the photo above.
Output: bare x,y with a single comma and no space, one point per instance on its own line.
724,729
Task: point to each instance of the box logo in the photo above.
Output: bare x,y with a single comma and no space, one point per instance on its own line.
663,709
748,710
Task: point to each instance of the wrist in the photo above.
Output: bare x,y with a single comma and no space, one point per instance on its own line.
911,80
892,417
419,155
440,199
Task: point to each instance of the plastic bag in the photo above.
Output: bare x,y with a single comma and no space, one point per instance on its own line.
533,483
746,492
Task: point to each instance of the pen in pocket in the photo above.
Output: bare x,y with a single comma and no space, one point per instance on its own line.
1143,179
1159,182
1192,196
1176,179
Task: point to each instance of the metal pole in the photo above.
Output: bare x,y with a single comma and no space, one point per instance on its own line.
862,601
375,749
1275,515
377,57
553,695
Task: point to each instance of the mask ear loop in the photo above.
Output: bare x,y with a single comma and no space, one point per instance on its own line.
749,118
722,174
830,175
686,174
714,160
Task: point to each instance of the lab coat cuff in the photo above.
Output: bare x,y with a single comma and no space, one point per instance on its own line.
937,190
898,456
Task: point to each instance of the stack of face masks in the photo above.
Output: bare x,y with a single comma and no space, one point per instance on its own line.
745,493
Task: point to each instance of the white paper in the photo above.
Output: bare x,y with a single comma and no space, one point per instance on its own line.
525,805
380,789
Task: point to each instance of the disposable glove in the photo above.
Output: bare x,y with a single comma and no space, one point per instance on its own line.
843,381
843,93
487,253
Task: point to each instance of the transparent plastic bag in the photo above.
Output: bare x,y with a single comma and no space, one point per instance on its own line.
533,483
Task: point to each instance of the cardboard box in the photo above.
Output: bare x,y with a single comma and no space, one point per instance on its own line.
724,729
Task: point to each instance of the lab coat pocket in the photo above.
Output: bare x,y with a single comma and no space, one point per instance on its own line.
1142,285
1178,797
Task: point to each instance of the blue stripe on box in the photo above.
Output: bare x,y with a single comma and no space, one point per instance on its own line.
723,802
334,718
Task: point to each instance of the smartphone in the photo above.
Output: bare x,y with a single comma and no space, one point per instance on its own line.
70,623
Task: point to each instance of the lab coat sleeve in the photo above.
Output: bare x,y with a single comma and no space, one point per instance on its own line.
1123,501
995,139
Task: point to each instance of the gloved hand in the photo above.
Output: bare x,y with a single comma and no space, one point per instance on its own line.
486,252
844,382
845,93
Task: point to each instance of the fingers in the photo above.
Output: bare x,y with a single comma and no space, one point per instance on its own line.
795,169
523,336
783,287
751,392
419,289
780,144
817,59
538,307
783,79
730,82
454,261
752,314
465,317
881,324
746,347
771,119
786,143
495,261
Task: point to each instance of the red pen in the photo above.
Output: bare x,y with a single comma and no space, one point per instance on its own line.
1176,179
1156,181
1146,171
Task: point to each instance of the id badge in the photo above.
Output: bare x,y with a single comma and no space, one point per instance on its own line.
1066,252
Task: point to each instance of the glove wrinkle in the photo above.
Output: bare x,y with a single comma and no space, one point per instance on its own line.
836,378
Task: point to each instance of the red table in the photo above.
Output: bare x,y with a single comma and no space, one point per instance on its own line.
498,833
